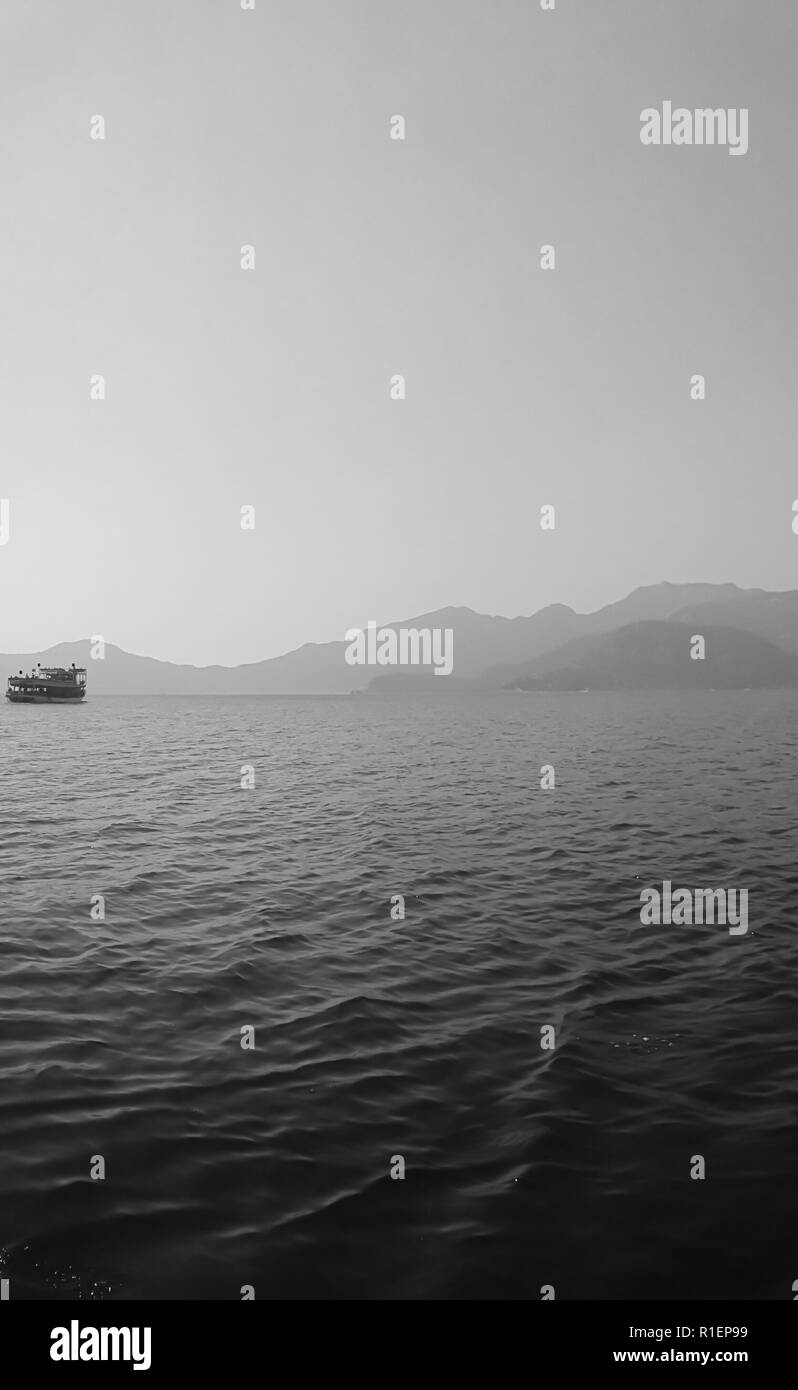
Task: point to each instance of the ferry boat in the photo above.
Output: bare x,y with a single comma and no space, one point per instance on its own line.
48,685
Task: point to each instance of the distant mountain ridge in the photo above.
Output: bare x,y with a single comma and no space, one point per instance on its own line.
491,651
653,655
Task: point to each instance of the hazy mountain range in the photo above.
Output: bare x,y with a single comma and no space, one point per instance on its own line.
641,642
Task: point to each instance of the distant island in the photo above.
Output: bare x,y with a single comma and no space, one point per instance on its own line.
641,642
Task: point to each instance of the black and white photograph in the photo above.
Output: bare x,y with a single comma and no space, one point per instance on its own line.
399,632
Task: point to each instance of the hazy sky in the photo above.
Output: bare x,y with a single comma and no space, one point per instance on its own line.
373,256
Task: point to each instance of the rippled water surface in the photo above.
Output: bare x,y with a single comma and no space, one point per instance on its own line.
374,1038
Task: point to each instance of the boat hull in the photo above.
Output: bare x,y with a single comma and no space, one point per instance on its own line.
17,699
